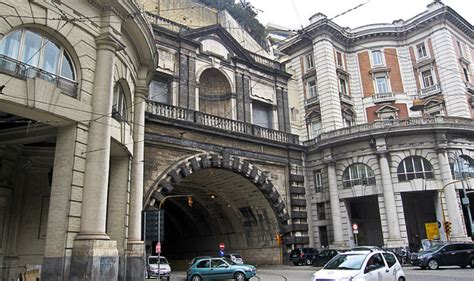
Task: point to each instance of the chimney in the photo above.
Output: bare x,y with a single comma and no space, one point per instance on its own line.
436,4
317,17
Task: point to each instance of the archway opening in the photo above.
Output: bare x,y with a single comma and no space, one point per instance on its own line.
215,93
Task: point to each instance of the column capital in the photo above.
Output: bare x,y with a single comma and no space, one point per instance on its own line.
109,41
141,92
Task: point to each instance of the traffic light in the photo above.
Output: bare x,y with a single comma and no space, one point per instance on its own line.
279,239
447,227
190,201
154,224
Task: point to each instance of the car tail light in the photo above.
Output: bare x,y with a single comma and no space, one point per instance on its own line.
301,255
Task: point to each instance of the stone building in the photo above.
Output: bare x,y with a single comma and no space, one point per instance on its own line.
388,113
74,76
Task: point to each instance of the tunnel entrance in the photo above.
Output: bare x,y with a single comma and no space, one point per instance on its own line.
236,205
364,211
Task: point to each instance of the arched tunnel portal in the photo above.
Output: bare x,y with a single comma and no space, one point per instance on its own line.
233,202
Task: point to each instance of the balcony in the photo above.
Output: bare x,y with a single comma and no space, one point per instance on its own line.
311,100
346,98
470,87
430,91
23,71
384,97
394,126
156,109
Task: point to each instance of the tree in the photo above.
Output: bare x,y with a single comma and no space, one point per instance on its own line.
244,13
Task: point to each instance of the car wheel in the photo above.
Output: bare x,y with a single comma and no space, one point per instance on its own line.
433,264
196,278
239,276
401,279
471,263
309,262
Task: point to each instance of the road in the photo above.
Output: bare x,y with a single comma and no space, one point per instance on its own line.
303,273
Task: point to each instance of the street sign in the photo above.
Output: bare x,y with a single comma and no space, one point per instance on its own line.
432,231
158,248
355,231
150,218
355,227
222,246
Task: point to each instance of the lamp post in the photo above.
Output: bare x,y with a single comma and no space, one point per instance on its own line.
159,225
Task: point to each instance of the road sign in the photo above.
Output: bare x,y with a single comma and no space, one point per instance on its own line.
355,227
158,248
221,253
355,231
432,230
222,246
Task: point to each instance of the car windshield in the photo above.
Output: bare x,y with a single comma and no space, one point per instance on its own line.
349,262
154,260
434,248
229,261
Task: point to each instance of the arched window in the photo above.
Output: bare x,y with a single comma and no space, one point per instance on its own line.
119,106
463,167
358,174
26,53
414,167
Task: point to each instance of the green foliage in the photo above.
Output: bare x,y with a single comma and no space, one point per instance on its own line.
244,13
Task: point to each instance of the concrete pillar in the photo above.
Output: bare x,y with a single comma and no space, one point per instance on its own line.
394,235
55,244
118,206
452,204
335,207
95,256
135,247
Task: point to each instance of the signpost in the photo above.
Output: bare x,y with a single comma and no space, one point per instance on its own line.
221,249
355,230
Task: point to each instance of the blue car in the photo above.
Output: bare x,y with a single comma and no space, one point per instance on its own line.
218,269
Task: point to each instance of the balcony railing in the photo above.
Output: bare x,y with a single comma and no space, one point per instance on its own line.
394,125
23,71
224,124
384,97
346,98
430,90
311,100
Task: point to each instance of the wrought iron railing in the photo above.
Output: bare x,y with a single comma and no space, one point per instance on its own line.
392,125
430,90
23,71
225,124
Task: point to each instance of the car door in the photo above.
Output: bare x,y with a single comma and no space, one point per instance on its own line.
448,255
220,269
392,266
203,267
375,269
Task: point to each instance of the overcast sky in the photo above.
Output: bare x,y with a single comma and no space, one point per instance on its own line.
294,13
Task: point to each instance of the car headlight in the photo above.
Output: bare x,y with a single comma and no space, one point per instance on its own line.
248,269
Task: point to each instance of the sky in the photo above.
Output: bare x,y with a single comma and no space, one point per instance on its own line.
295,13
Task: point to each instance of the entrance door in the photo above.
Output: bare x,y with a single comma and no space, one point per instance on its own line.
419,208
323,236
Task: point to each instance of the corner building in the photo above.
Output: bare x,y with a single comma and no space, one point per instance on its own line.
388,113
73,77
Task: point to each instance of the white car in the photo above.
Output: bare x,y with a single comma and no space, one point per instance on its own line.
362,265
235,258
152,267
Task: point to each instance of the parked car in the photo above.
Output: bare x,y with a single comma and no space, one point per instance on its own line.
235,258
322,257
303,256
197,258
152,267
460,254
219,269
362,265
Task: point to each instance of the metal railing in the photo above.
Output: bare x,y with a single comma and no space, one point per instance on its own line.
22,70
393,124
225,124
430,90
381,97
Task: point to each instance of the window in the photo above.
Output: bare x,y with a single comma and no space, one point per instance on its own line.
414,167
342,86
387,113
339,59
315,128
34,49
358,174
463,166
461,53
427,78
318,181
466,73
216,263
377,58
309,62
421,50
390,259
321,210
375,262
262,114
434,109
381,84
203,264
311,89
119,106
160,90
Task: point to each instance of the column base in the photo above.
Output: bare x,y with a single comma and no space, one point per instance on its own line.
135,256
55,268
95,260
395,243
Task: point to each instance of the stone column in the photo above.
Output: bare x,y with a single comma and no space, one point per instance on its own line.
335,207
135,247
452,204
394,235
95,257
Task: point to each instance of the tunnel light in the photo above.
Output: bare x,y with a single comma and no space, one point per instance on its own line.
213,196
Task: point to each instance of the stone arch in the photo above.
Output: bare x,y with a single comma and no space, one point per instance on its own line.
175,174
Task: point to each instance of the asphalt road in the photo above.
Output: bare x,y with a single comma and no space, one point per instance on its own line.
303,273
